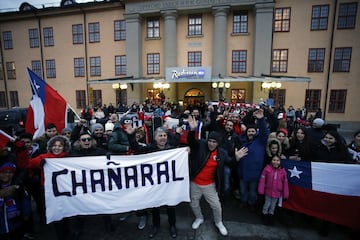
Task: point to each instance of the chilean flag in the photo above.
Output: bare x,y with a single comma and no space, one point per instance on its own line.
329,191
46,106
4,139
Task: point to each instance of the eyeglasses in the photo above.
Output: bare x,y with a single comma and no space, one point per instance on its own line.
85,139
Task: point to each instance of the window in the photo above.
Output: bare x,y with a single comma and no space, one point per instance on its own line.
153,63
119,30
120,65
280,60
153,28
48,37
97,95
337,101
2,99
316,59
34,38
8,42
14,99
194,59
240,22
282,20
278,95
50,68
347,15
95,66
36,67
312,99
94,32
79,67
238,95
80,99
77,33
195,25
239,61
10,70
319,17
342,59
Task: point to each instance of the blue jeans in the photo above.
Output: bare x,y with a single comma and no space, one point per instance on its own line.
248,191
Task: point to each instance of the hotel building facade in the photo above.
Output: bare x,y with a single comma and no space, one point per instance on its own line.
285,52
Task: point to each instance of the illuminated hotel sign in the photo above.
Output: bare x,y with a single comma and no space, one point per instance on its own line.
188,74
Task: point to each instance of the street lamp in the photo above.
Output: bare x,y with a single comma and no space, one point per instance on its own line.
220,86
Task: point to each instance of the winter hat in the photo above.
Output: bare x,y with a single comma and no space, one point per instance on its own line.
109,126
8,166
65,130
284,130
215,136
319,122
96,126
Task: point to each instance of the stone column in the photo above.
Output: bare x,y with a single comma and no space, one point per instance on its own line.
263,38
220,41
133,45
170,49
262,45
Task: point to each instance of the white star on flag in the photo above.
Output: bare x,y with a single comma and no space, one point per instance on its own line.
294,172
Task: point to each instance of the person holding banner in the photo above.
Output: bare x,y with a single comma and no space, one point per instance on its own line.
86,145
207,161
57,147
160,143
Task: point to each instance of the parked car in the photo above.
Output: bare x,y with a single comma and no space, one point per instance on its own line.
13,120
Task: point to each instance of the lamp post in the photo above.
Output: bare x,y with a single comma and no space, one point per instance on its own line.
220,86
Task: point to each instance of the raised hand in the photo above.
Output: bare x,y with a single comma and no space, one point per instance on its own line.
242,152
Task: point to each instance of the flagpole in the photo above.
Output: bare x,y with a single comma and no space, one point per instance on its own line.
77,115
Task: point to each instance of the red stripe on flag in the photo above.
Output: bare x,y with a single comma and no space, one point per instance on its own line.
55,108
339,209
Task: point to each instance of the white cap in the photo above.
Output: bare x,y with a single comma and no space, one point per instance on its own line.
109,126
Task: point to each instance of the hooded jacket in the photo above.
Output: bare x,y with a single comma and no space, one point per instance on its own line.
273,182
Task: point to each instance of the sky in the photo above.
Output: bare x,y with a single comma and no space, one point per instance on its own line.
13,5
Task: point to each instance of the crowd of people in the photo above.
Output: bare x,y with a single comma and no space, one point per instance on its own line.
234,151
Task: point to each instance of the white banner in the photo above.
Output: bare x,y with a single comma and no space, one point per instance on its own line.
96,185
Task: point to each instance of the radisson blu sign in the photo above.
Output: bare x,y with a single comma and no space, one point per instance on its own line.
188,74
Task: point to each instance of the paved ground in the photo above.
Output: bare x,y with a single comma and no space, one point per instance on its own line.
241,223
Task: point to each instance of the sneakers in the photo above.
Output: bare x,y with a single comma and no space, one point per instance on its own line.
142,222
220,226
196,224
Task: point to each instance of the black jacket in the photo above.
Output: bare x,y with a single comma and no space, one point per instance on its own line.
199,155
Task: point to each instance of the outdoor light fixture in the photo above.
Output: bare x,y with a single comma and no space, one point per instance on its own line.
268,85
161,85
122,86
220,86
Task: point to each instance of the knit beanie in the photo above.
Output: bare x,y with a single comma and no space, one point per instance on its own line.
109,126
214,136
8,166
96,126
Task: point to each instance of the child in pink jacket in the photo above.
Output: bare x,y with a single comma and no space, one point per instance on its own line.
274,184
